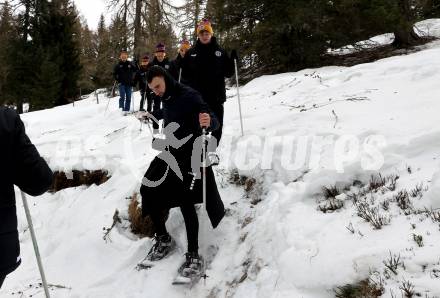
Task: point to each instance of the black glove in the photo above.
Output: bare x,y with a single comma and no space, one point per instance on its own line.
234,55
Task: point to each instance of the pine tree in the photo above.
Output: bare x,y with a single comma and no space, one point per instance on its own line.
105,56
7,35
87,80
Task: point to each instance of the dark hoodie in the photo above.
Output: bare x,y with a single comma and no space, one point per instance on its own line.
182,105
205,68
165,63
175,67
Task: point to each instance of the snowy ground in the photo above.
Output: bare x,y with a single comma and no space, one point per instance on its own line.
303,131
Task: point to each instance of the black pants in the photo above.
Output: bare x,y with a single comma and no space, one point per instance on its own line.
2,279
143,95
191,223
218,111
153,104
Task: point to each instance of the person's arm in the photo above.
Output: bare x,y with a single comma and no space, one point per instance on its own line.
137,78
158,114
186,70
135,69
204,111
31,172
228,64
116,73
174,72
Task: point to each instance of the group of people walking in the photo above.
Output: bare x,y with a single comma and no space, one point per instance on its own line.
203,67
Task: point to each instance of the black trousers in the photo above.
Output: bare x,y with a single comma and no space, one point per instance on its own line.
143,95
153,104
191,223
218,111
2,279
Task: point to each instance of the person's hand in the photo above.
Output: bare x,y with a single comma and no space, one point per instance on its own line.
234,55
205,120
141,115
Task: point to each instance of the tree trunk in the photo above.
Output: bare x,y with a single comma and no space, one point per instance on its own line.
137,30
404,34
405,37
26,25
125,24
196,19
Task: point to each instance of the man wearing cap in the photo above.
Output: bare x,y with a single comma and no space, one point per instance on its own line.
124,73
173,178
205,67
141,79
160,57
176,64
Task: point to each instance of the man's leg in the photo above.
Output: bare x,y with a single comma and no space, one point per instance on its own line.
127,98
2,279
121,96
192,226
218,111
158,219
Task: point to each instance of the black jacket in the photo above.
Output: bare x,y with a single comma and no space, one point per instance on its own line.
141,78
175,67
182,105
165,63
205,68
21,165
124,72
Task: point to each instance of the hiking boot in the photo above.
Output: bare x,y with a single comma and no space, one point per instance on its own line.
161,248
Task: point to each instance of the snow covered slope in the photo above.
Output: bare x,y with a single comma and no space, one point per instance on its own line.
332,126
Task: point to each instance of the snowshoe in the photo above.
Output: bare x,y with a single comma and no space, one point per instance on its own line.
162,247
190,271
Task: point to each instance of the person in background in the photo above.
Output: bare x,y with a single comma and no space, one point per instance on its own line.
176,64
160,57
141,80
124,73
205,67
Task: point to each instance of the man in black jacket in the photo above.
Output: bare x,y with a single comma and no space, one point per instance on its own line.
160,57
205,67
21,165
141,79
184,113
176,64
124,73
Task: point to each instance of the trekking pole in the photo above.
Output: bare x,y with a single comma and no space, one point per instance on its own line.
204,222
238,95
131,98
113,95
140,105
34,242
97,97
